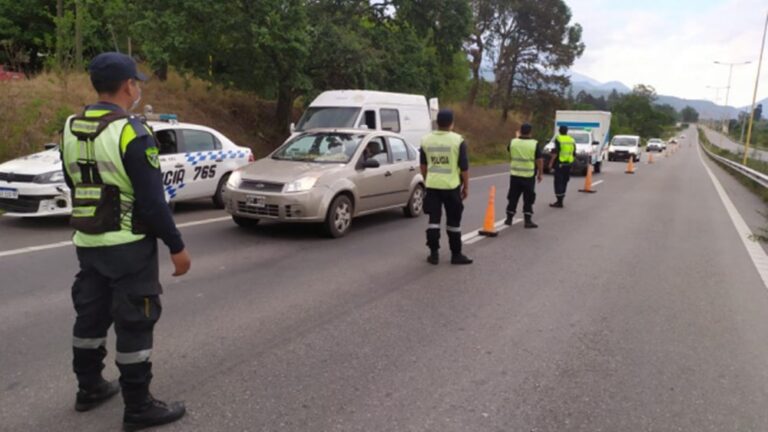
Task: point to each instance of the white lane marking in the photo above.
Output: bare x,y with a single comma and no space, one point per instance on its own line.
474,236
488,176
598,182
56,245
34,248
755,251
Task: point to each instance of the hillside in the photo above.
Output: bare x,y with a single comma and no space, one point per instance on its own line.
33,111
707,109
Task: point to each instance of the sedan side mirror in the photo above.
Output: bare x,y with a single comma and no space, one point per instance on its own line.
370,163
595,142
292,127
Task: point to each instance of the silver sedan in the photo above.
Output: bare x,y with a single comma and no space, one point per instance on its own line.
329,177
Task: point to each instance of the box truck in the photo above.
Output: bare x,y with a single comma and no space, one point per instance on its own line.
591,131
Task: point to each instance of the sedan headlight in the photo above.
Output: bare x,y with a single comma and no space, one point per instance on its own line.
301,185
50,177
234,179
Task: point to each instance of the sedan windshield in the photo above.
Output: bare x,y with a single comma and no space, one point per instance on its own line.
624,142
321,147
328,117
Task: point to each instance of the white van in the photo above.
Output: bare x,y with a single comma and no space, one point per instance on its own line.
409,115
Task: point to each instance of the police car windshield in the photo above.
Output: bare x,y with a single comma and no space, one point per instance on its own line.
328,117
624,142
320,147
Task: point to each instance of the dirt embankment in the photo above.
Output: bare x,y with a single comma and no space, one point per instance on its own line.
32,112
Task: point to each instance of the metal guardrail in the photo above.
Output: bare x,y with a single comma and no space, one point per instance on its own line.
756,176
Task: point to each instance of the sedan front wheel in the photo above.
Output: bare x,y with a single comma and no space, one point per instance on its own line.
339,217
415,206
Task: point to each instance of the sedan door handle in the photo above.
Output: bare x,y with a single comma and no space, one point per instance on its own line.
179,166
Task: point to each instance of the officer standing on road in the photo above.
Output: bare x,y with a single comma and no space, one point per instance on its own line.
526,168
445,167
110,160
562,159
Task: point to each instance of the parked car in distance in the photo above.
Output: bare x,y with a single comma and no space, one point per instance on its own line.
624,147
655,144
328,176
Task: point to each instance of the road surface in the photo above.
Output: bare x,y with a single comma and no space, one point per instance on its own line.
638,308
724,142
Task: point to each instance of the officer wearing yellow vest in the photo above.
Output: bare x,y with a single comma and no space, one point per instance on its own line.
562,159
110,161
445,167
526,168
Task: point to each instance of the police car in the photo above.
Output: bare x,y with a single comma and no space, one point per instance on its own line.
196,162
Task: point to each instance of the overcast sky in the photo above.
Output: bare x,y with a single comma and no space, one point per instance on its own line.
672,44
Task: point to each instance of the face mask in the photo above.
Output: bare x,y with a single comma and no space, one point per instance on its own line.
138,99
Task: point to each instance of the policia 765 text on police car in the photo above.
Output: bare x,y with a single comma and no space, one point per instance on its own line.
196,162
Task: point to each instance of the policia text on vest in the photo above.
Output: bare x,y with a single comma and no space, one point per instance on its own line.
565,150
110,161
526,167
445,167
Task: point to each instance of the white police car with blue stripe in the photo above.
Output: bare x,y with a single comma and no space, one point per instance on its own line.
195,160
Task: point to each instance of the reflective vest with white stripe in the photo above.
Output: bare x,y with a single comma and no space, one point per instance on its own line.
567,149
523,157
107,150
442,151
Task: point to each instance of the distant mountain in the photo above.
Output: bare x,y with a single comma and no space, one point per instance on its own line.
706,109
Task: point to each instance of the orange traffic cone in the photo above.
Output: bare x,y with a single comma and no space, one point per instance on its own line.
650,158
630,165
489,226
588,181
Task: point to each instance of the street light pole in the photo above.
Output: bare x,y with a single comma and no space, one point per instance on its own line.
754,95
728,88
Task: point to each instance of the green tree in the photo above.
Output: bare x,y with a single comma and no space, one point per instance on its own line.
689,115
536,46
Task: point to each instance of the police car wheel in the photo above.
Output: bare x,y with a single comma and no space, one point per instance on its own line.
415,205
244,222
218,197
339,217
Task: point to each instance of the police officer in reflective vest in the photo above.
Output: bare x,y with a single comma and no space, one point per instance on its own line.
110,161
526,168
445,167
562,159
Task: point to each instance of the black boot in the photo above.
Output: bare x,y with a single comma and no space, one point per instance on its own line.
461,259
454,238
529,222
90,398
151,413
434,257
558,204
508,220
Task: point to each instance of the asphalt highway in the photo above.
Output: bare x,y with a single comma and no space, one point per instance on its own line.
637,308
722,141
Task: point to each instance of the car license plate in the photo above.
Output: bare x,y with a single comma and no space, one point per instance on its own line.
9,193
256,201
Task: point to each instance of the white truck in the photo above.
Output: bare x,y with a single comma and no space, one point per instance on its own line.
591,131
409,115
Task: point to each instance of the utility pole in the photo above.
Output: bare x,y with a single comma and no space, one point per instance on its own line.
728,88
754,95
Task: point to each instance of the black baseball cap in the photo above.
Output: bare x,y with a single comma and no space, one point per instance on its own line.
526,129
114,67
445,118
